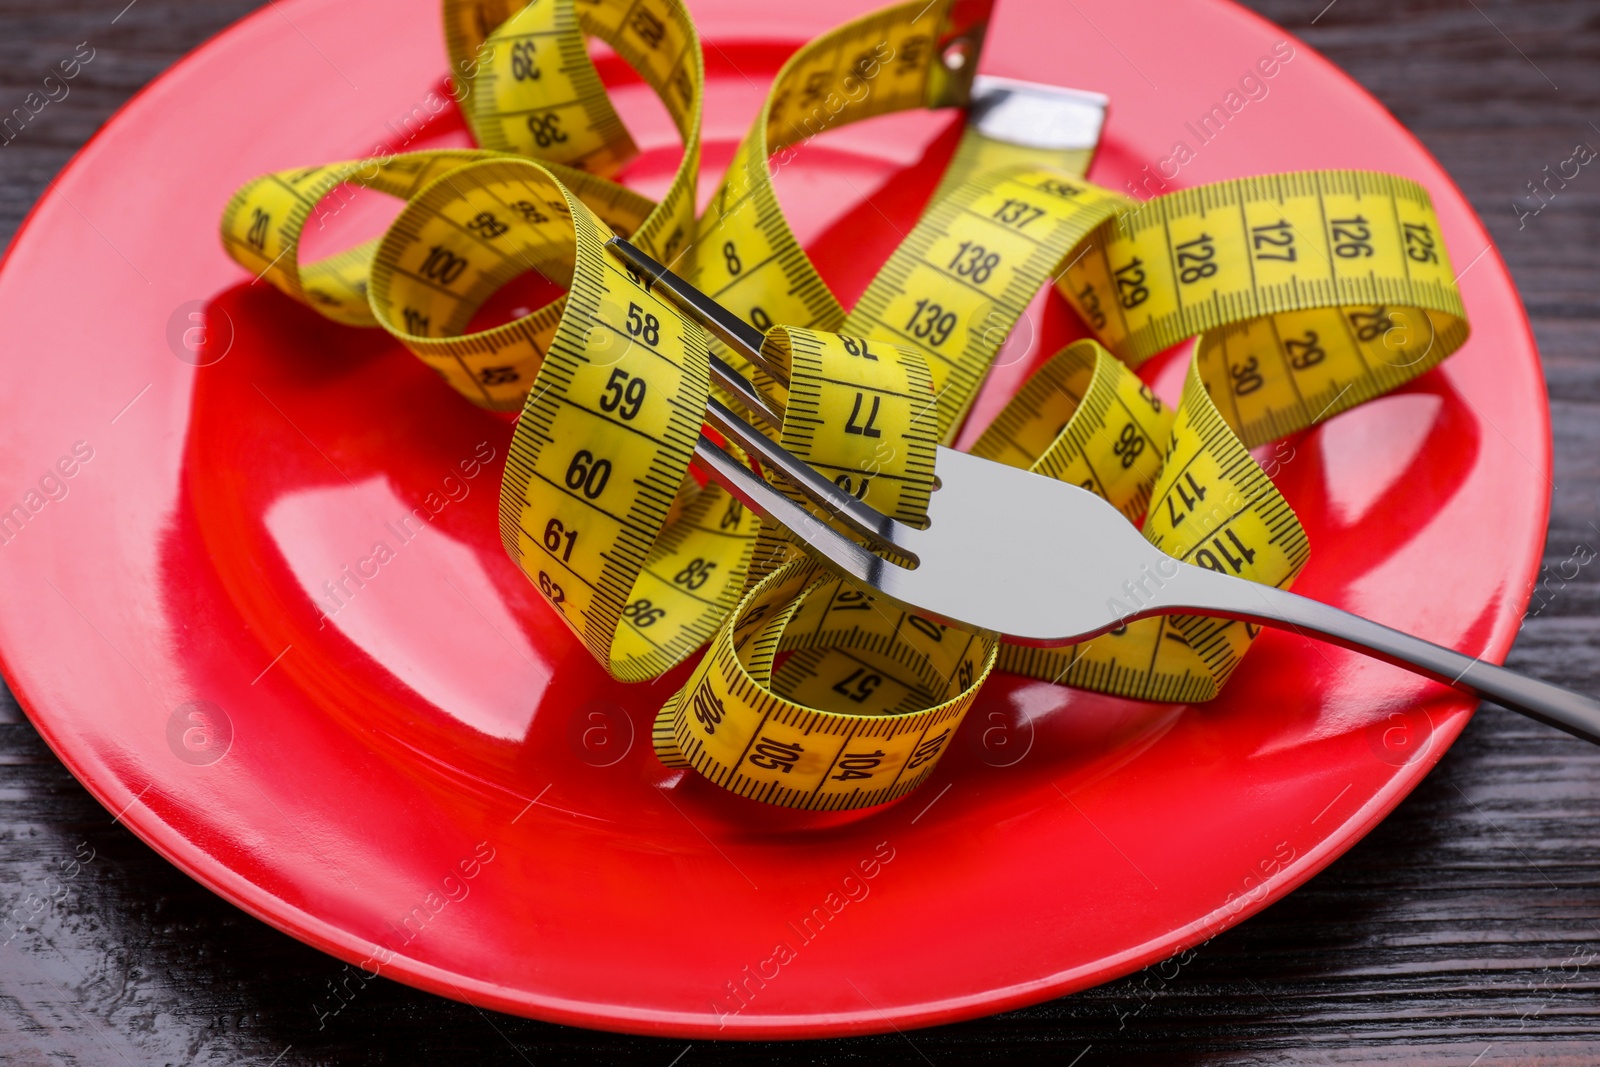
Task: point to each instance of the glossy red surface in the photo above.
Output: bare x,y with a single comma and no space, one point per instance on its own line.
436,772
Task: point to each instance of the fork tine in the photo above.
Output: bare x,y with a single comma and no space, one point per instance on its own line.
723,324
746,394
727,327
870,523
839,551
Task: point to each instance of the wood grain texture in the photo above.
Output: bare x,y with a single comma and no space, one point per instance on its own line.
1464,931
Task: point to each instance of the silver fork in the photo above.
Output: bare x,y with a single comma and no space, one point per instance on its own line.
1034,592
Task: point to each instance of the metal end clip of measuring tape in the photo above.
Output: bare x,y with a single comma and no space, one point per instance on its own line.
1310,293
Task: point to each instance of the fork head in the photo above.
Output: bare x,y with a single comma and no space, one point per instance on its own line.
1037,560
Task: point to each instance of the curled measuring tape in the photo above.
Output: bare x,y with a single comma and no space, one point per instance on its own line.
1308,293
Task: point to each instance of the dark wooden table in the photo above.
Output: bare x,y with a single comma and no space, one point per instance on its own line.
1464,931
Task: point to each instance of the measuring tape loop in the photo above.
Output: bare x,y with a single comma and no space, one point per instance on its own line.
759,730
1312,292
1306,293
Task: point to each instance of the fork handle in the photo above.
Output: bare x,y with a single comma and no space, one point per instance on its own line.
1576,714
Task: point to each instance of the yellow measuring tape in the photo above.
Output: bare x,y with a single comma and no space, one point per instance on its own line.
1308,293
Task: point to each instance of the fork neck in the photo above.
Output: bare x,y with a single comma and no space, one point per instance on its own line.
1203,592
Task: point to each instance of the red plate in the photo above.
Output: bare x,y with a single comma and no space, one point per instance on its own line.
436,780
